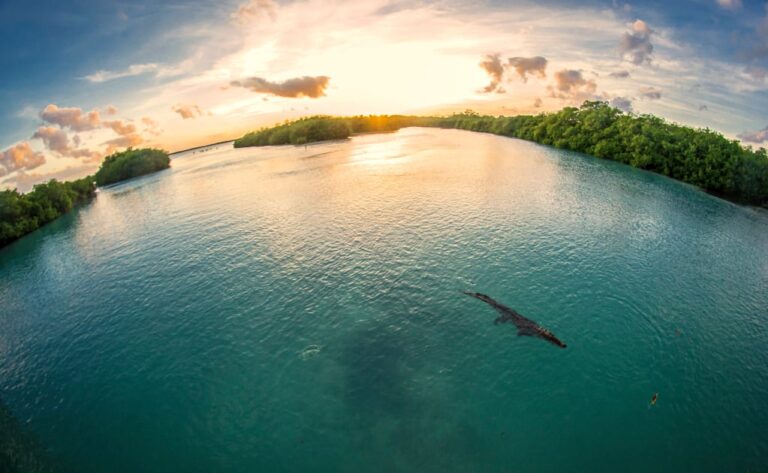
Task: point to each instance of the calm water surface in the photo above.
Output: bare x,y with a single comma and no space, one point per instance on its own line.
299,309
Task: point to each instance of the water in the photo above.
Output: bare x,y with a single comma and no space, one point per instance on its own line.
299,309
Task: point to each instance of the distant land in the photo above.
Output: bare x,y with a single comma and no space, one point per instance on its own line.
202,146
701,157
131,163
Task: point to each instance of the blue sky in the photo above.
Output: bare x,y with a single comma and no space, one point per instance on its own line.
183,73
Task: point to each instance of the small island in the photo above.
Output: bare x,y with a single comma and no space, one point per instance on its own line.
299,132
24,213
326,128
131,163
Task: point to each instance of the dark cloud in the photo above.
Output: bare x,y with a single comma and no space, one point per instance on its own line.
619,74
525,66
187,111
537,103
570,84
55,139
635,46
650,93
622,103
703,108
491,64
759,136
307,86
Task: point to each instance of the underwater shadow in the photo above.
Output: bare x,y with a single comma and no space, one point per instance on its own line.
19,450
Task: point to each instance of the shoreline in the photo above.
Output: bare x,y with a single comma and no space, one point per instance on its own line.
201,146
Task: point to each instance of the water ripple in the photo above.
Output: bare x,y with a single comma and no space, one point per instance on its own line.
300,309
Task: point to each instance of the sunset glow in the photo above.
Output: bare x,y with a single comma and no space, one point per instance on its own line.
217,69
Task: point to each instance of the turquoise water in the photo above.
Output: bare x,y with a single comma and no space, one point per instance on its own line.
299,309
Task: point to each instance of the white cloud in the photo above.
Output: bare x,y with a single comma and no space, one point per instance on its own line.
132,70
159,71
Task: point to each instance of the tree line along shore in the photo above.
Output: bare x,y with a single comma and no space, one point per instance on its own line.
701,157
24,213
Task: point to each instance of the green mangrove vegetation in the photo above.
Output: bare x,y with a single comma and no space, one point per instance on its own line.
24,213
299,132
701,157
131,163
325,128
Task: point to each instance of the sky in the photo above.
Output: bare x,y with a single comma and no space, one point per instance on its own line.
83,79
